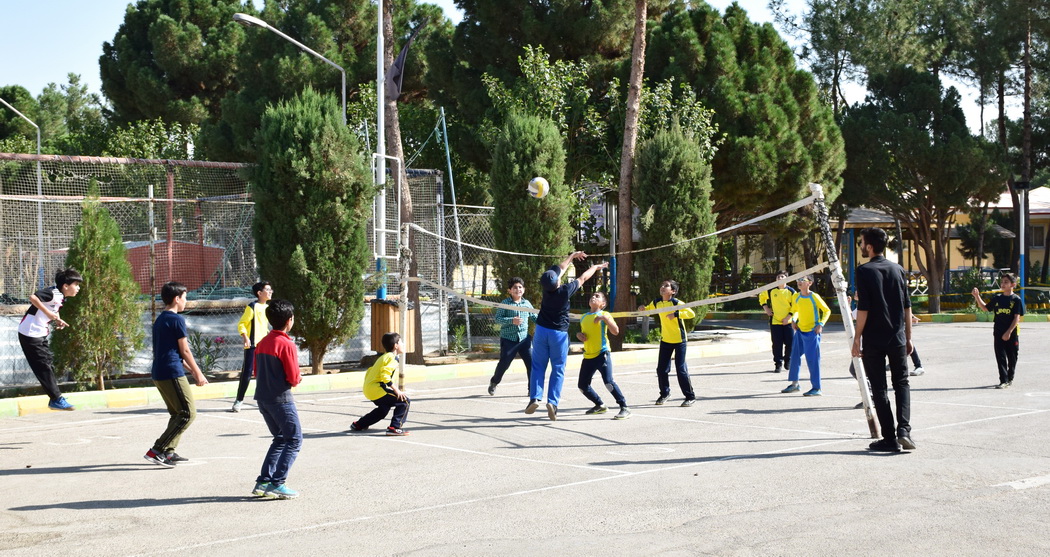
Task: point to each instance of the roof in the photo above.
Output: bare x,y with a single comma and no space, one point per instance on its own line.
1038,201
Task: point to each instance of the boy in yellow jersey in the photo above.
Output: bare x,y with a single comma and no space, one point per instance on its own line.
808,315
776,302
383,392
672,342
252,327
593,327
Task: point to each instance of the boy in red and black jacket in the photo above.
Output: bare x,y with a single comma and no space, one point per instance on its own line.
276,372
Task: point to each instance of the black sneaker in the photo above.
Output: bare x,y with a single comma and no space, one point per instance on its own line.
552,411
492,389
885,446
533,405
663,398
689,402
160,459
354,427
905,442
779,369
174,457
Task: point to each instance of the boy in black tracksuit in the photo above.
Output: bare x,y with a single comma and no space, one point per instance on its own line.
1008,309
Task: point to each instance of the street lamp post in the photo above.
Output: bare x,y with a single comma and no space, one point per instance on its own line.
39,195
251,21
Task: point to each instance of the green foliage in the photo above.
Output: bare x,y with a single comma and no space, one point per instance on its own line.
105,321
527,147
313,193
911,155
11,124
673,184
779,136
151,139
459,339
173,59
207,351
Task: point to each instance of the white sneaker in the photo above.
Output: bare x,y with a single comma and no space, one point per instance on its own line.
236,406
917,371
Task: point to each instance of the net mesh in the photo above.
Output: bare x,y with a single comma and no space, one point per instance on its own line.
201,211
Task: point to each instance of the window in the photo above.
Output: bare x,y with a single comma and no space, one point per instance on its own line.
1036,236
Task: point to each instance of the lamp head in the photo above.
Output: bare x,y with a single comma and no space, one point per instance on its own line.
249,21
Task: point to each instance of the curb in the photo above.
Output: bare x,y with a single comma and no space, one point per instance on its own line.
711,345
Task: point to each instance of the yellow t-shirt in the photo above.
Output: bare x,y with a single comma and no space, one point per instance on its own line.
778,300
672,328
597,339
379,374
254,313
809,311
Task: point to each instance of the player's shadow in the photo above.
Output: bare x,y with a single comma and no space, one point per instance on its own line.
782,410
29,471
697,460
139,503
13,446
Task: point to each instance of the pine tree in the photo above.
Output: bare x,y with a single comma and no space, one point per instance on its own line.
672,188
529,146
313,195
105,322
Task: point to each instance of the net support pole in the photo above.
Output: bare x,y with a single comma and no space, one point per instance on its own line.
839,283
402,300
455,220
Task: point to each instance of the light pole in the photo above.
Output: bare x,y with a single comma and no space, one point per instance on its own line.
39,195
251,21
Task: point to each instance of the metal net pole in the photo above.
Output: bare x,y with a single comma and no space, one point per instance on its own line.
839,283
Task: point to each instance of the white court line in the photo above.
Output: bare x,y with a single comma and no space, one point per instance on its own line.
66,424
968,422
518,458
482,499
1026,483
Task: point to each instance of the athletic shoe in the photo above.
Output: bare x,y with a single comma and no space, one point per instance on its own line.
905,442
663,398
689,402
175,458
552,411
60,404
792,389
598,409
623,415
261,488
885,446
492,389
917,371
355,428
1009,383
236,406
779,369
1002,385
395,432
281,492
812,392
533,405
160,459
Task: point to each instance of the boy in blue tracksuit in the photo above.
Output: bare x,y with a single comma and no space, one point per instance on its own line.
551,341
514,338
809,312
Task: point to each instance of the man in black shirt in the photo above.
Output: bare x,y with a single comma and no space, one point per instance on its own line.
884,321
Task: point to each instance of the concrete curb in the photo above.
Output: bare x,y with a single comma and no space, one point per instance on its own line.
711,344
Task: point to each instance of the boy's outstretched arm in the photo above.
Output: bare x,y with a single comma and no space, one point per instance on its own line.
977,298
590,272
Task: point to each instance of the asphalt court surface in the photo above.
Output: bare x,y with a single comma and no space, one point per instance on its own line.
747,471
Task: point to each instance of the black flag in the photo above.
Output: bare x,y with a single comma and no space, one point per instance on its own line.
395,75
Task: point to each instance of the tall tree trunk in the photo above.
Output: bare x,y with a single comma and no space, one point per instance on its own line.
625,263
392,127
1026,134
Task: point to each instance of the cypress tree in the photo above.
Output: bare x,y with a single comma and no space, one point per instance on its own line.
529,146
104,321
672,188
313,195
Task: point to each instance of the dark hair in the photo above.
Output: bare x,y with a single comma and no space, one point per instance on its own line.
259,287
1010,277
67,276
515,280
781,272
604,295
170,291
389,340
876,238
674,285
278,312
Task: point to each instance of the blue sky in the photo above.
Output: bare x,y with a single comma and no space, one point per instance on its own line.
44,40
